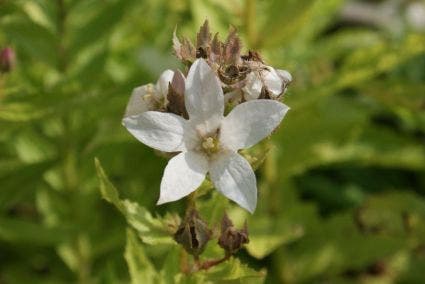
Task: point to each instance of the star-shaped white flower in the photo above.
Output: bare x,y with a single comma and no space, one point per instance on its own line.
149,97
208,142
275,80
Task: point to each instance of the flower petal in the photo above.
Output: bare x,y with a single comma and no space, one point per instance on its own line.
250,122
138,102
253,86
233,176
203,96
273,81
162,131
162,84
285,76
183,174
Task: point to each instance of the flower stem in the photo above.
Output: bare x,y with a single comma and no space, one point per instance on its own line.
191,201
210,263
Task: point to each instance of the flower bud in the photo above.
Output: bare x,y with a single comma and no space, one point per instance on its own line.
193,233
231,239
285,76
175,96
7,59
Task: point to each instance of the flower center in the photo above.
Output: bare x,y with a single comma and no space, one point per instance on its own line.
210,145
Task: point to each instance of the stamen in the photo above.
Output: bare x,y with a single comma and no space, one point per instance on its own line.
210,145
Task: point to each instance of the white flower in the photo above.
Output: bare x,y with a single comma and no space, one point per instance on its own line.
208,141
274,80
149,97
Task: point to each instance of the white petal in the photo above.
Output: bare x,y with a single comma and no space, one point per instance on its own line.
138,102
184,173
162,131
204,98
162,84
285,76
253,86
250,122
233,176
272,81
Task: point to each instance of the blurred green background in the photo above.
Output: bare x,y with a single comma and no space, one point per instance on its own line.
342,192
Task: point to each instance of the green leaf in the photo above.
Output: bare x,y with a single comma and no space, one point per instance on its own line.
39,12
32,40
20,112
266,235
151,230
101,24
170,272
405,219
18,179
20,231
290,22
333,246
140,267
234,270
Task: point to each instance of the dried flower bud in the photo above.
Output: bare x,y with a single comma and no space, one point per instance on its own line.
265,94
216,49
233,47
7,59
203,37
231,239
203,41
175,95
184,50
253,56
246,77
193,233
232,74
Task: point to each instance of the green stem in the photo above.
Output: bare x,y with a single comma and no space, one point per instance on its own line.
191,201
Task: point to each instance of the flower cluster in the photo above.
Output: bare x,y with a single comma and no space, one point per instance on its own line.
243,77
225,103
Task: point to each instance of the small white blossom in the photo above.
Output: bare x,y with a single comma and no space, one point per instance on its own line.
274,80
150,97
208,142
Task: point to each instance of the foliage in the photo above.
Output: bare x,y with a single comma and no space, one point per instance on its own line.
341,192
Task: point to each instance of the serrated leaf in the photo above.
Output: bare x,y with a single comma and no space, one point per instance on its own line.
151,230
